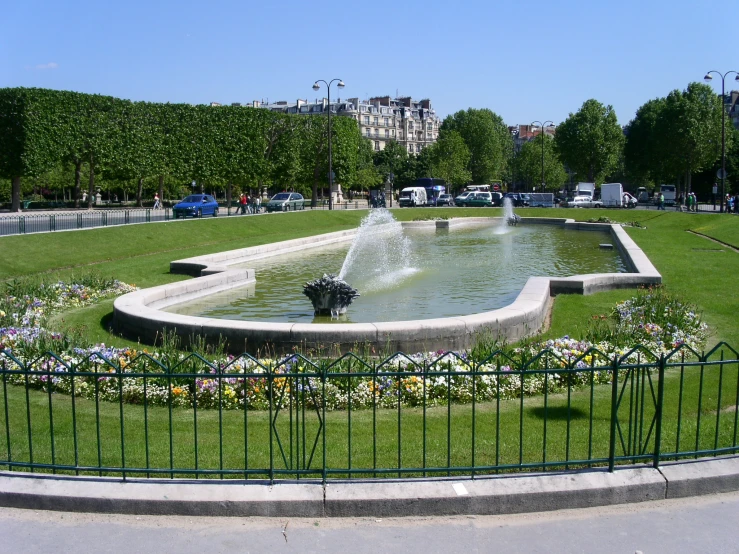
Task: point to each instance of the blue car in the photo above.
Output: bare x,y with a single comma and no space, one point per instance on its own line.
196,205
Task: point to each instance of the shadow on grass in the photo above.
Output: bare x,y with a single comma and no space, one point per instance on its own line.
557,412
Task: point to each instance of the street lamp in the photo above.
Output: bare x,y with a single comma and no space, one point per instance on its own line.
542,125
708,79
514,136
316,86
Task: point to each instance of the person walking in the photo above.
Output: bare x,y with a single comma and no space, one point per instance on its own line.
156,201
661,205
242,202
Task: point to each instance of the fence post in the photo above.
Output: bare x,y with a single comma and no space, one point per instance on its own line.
52,223
148,216
21,225
658,411
614,415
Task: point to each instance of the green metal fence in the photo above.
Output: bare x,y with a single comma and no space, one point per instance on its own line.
352,417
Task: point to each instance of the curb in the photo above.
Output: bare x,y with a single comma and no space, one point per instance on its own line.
496,495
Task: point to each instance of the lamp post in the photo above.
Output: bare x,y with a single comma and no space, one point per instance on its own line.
316,86
542,125
708,79
514,135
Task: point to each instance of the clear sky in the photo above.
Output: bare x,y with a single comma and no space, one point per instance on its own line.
525,60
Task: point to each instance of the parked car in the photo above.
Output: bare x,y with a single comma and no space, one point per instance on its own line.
462,196
584,202
286,201
477,199
196,205
518,200
445,200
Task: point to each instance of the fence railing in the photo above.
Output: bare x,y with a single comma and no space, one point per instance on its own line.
352,417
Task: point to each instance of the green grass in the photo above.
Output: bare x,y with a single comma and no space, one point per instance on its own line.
693,267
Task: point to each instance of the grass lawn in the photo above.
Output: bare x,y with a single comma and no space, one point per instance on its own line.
577,426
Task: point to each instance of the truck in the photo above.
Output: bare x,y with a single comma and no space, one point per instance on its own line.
412,196
612,195
585,189
669,192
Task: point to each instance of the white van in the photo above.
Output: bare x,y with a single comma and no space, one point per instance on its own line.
412,196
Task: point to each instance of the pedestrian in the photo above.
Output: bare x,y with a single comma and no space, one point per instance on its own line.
661,205
242,202
156,201
257,205
736,203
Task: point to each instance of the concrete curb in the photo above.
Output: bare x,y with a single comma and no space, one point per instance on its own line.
506,494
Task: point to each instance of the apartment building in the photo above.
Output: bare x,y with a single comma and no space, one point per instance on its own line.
412,123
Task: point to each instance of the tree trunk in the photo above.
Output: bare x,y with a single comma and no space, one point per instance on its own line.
161,190
77,181
140,192
15,195
91,187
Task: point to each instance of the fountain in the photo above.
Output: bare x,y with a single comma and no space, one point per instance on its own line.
379,256
509,217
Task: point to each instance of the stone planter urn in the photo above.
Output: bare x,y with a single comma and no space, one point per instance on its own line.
330,295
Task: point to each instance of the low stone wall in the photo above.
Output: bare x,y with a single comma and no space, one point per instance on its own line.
138,315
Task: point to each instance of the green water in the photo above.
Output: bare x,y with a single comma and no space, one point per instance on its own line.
448,273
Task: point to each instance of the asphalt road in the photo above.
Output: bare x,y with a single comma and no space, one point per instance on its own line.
702,524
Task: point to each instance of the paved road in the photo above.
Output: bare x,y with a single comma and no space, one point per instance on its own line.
702,524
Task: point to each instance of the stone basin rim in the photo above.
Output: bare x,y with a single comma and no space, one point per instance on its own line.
139,314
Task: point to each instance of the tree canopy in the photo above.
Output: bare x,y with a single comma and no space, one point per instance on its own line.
590,141
487,139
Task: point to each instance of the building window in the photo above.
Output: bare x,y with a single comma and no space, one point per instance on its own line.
368,131
393,132
387,133
377,145
377,120
387,122
366,120
418,147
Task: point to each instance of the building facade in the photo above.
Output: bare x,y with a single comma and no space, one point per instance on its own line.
412,123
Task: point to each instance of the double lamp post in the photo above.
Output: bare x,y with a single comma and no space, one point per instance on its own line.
316,86
542,126
708,79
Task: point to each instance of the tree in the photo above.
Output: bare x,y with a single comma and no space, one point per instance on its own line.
392,159
689,130
528,164
644,155
487,139
590,141
367,176
450,159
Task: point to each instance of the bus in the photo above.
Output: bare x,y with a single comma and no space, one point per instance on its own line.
434,188
478,188
669,192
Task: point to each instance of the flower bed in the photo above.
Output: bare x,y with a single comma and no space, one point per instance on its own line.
165,376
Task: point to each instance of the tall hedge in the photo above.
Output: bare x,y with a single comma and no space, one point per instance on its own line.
39,128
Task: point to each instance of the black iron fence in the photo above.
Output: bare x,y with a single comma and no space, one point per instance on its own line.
352,417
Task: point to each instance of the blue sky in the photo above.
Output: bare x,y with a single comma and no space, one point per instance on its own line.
532,60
